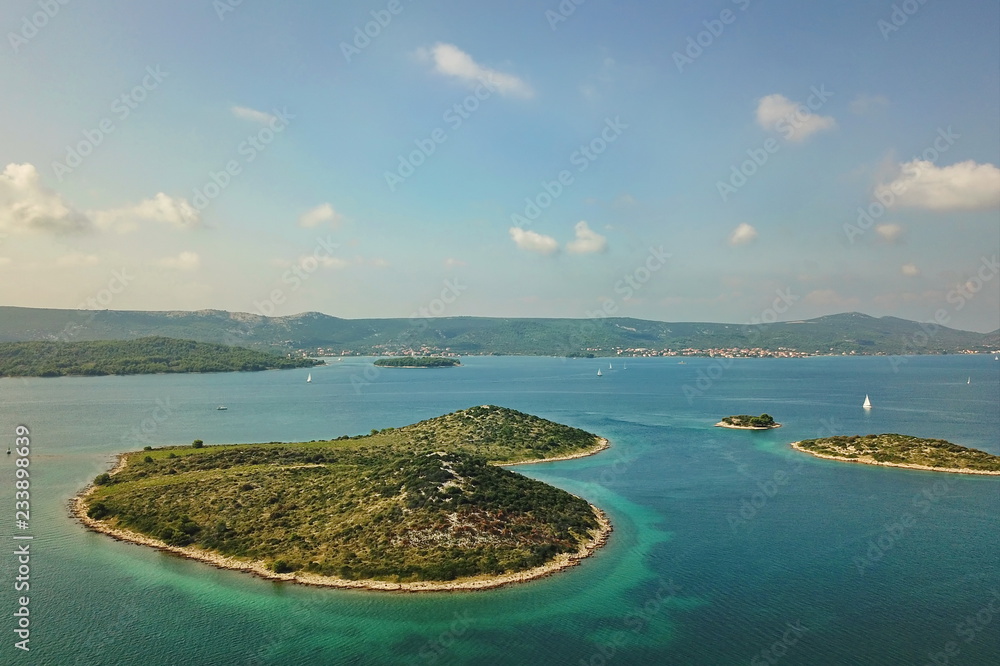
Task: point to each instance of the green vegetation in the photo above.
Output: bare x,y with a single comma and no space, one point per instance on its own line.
747,421
134,357
903,450
417,503
851,332
417,362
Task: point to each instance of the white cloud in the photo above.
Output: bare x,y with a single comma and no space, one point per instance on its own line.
962,186
910,270
794,121
185,261
889,232
863,104
452,61
587,240
742,234
253,115
176,212
533,241
77,260
27,206
320,214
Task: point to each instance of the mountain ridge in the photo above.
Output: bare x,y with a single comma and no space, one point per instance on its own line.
841,333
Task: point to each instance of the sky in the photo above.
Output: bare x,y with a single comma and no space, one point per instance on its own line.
725,160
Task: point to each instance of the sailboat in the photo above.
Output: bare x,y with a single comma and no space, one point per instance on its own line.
868,403
970,381
221,408
599,374
309,378
609,366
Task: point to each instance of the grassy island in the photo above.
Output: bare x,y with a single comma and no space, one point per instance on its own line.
417,362
143,356
421,507
894,450
747,422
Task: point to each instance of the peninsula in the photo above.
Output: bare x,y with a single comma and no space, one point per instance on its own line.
747,422
892,450
422,507
417,362
144,356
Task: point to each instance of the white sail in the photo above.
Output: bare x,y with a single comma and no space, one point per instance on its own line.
598,373
309,378
868,403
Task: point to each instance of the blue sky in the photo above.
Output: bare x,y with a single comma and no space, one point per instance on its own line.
708,160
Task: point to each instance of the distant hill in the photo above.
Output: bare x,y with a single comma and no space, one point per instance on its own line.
133,357
834,334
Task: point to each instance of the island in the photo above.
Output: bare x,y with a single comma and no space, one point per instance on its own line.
417,362
142,356
426,506
747,422
893,450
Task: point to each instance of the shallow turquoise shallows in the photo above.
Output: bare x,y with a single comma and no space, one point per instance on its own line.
729,547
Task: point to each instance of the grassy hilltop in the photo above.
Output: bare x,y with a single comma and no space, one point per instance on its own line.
419,503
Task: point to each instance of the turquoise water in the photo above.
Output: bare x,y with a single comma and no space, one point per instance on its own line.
727,543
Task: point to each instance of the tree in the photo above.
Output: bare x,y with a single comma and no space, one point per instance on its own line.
197,444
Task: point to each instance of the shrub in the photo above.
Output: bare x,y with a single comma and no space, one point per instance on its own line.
197,444
102,479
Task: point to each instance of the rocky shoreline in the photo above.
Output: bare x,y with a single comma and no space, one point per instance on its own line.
78,508
602,444
925,468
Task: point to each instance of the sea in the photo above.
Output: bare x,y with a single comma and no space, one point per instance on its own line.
729,547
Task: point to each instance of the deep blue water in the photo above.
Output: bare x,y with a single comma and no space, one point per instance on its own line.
727,543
